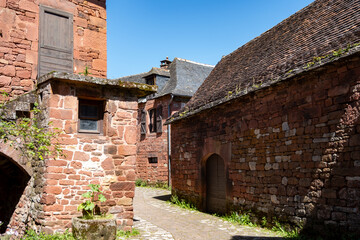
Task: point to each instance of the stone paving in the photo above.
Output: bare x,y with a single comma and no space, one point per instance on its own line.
158,220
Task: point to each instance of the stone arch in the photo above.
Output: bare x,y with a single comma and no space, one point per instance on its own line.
215,184
212,148
14,177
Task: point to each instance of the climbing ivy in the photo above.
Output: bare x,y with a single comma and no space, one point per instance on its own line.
28,135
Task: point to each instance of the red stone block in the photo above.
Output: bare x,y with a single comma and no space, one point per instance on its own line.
51,163
5,81
8,70
53,208
81,156
70,102
23,74
76,165
66,182
55,169
61,114
52,189
123,186
48,199
87,173
70,127
74,177
127,150
108,164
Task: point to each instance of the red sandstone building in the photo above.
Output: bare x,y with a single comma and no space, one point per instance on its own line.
43,46
275,126
176,81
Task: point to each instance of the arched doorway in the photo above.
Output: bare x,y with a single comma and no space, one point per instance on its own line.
13,181
215,185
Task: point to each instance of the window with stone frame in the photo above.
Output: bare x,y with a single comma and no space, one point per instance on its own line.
91,115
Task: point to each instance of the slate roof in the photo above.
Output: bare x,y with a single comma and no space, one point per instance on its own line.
138,78
317,30
185,77
158,71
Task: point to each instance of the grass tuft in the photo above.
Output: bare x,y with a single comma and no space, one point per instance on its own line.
127,234
182,203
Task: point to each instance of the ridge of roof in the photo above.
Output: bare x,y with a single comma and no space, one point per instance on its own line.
189,61
313,32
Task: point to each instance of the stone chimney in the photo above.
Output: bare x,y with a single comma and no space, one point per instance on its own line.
165,63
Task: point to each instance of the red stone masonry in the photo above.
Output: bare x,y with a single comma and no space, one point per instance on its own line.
293,149
107,159
19,40
154,144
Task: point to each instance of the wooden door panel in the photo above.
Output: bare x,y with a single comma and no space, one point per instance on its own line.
215,185
56,41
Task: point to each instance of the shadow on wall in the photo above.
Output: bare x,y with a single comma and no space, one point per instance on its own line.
13,181
333,195
100,3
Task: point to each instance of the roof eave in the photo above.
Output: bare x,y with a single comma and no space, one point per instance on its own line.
309,67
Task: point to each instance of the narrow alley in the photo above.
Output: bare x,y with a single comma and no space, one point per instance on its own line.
157,219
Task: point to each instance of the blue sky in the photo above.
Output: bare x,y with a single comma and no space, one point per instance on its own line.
141,33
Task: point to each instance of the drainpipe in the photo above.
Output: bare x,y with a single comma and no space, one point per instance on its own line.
169,141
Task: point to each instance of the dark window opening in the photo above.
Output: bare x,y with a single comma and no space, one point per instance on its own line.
150,80
153,160
159,119
155,115
143,122
91,114
22,114
152,124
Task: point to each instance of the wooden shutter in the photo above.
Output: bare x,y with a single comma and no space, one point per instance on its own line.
143,122
159,119
55,41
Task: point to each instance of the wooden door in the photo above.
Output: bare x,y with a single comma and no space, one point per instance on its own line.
56,41
215,185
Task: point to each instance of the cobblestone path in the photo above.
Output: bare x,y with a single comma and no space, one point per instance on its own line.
157,219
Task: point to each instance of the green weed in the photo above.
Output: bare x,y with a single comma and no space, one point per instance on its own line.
140,183
242,219
127,234
32,235
182,203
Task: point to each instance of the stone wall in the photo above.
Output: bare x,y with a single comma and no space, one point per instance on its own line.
19,40
154,144
291,150
107,159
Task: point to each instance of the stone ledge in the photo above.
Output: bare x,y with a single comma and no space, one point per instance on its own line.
140,89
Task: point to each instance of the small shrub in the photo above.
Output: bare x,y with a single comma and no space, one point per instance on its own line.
89,208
